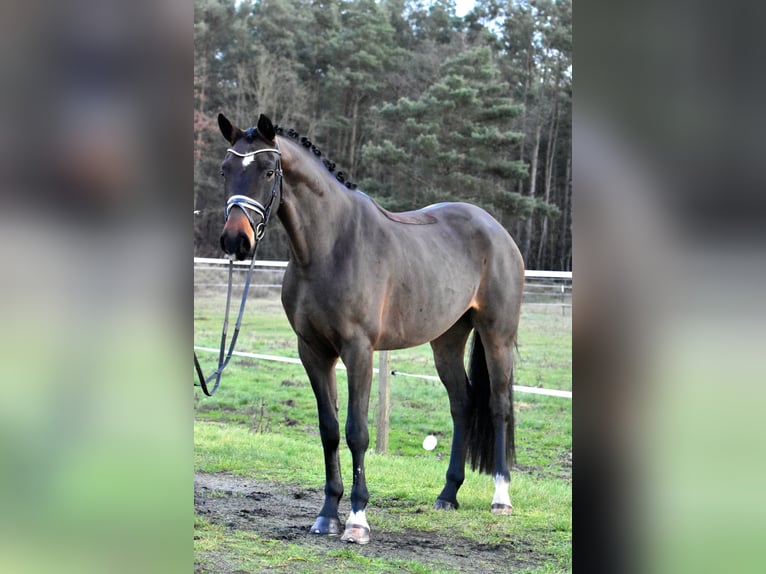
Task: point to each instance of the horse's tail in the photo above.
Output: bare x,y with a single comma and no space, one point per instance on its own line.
480,436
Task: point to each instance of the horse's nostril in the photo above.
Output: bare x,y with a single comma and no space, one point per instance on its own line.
244,243
243,247
236,244
230,243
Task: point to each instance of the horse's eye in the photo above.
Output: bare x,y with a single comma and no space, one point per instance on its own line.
222,173
269,173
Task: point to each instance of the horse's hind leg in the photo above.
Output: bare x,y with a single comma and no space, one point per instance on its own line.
321,372
499,360
496,320
448,357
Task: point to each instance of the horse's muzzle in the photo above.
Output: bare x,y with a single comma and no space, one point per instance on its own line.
236,245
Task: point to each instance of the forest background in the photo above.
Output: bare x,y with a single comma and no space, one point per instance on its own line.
413,103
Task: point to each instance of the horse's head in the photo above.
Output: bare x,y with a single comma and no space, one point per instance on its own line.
252,175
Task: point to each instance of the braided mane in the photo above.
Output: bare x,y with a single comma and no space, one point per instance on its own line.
305,142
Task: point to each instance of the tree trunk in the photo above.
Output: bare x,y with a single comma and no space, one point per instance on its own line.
352,143
198,143
533,172
532,192
564,257
550,160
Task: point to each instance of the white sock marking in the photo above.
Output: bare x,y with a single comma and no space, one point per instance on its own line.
357,519
501,491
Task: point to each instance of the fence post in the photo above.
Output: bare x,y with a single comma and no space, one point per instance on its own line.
384,379
563,300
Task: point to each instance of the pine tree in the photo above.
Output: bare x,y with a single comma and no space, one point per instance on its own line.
363,52
455,142
401,97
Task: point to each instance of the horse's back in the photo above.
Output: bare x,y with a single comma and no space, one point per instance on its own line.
480,233
463,261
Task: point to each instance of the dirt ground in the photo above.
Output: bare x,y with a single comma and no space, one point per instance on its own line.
280,512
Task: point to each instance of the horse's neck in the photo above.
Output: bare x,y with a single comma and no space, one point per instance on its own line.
314,208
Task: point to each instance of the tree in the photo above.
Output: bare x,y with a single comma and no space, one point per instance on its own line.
213,19
435,20
535,56
362,53
454,143
416,104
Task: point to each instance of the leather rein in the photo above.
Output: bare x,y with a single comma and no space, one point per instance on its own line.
250,207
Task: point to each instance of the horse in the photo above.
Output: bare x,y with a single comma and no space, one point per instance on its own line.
361,279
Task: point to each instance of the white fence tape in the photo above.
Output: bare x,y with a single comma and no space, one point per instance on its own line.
341,366
529,273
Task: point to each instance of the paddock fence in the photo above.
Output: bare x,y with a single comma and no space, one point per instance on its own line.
551,290
548,289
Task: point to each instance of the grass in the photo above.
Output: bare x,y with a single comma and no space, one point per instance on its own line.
262,423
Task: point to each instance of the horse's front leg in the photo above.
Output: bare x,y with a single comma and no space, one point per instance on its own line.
321,371
358,361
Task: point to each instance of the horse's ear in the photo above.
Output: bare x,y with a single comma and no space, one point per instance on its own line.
230,132
266,128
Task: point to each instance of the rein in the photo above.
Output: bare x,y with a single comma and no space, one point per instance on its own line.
247,205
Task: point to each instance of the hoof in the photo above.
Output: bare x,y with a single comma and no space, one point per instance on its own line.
442,504
356,534
324,525
502,509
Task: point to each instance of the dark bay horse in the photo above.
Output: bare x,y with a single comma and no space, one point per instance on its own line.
362,279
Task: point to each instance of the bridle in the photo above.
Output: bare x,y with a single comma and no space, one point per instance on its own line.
248,206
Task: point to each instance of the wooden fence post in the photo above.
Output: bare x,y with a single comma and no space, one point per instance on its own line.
384,379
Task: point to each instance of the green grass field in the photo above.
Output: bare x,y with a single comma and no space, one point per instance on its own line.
262,425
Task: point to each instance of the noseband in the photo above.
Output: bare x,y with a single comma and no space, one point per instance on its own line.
247,204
